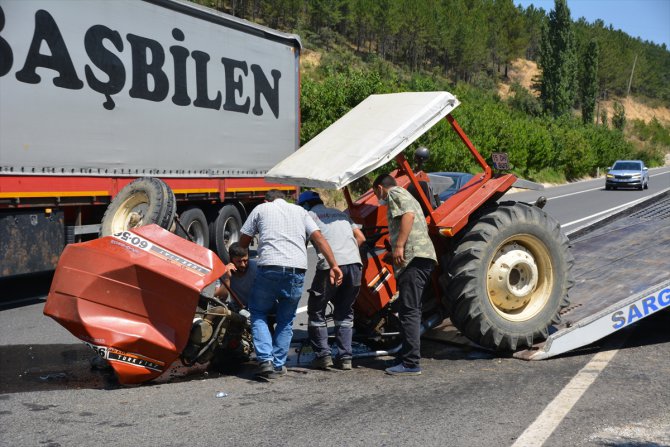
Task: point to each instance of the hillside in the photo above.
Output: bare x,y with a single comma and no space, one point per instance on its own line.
524,71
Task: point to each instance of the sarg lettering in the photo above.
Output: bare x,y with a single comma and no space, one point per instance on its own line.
641,309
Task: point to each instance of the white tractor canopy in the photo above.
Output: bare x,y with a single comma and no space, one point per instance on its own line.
368,136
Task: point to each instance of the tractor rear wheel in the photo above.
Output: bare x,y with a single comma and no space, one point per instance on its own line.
509,277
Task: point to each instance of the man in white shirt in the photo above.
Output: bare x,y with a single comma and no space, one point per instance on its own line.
283,231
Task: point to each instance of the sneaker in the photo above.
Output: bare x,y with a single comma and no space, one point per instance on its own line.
402,370
344,364
277,373
264,368
324,362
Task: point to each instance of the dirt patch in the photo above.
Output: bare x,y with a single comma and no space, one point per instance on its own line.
522,71
638,111
309,59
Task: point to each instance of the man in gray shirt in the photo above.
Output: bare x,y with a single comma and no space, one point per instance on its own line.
283,231
344,238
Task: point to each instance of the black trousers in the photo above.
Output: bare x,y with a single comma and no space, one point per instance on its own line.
411,283
342,297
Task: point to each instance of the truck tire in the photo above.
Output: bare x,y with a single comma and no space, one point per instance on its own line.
225,231
193,220
509,277
143,201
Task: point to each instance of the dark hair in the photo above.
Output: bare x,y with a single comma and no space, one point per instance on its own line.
237,251
385,180
274,194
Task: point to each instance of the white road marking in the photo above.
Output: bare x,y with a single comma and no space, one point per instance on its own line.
574,193
301,310
545,424
611,210
595,189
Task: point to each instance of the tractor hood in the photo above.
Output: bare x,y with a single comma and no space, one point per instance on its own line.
367,137
132,297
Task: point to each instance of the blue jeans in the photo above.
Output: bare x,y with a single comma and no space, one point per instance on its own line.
274,288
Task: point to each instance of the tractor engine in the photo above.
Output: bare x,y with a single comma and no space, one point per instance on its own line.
219,335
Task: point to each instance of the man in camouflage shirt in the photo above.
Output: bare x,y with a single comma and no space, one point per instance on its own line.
413,260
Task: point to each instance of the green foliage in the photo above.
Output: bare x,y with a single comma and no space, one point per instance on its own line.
588,82
653,132
619,116
524,101
655,141
558,62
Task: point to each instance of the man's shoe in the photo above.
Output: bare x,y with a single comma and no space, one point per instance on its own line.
277,373
402,370
265,368
344,364
324,362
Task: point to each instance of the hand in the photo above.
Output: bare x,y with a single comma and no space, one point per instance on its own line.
230,267
336,276
398,255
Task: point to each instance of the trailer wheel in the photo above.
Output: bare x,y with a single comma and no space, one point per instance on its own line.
193,220
143,201
226,230
509,277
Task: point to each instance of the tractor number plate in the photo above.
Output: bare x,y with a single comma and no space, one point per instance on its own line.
500,161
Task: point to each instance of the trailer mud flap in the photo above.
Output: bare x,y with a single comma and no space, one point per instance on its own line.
30,241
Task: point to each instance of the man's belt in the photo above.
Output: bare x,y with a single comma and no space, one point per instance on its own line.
279,268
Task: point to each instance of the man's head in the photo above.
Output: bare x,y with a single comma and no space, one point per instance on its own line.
239,256
308,199
274,194
381,186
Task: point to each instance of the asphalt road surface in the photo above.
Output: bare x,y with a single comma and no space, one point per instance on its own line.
612,393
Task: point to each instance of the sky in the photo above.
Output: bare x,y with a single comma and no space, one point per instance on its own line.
646,19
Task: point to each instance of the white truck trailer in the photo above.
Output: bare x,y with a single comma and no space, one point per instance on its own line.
95,94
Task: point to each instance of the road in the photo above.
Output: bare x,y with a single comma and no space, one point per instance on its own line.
614,392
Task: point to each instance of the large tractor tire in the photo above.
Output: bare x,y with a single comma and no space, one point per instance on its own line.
143,201
194,222
509,277
225,230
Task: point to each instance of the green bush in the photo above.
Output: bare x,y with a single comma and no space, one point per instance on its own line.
524,101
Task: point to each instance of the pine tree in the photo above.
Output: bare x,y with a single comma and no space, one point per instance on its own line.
588,85
558,61
619,116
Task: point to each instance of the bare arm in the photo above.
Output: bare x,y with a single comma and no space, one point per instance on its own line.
324,248
245,240
406,222
222,290
360,237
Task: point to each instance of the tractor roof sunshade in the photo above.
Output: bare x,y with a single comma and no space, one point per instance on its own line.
367,137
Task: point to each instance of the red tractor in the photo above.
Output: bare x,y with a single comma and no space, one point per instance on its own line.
504,267
142,297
